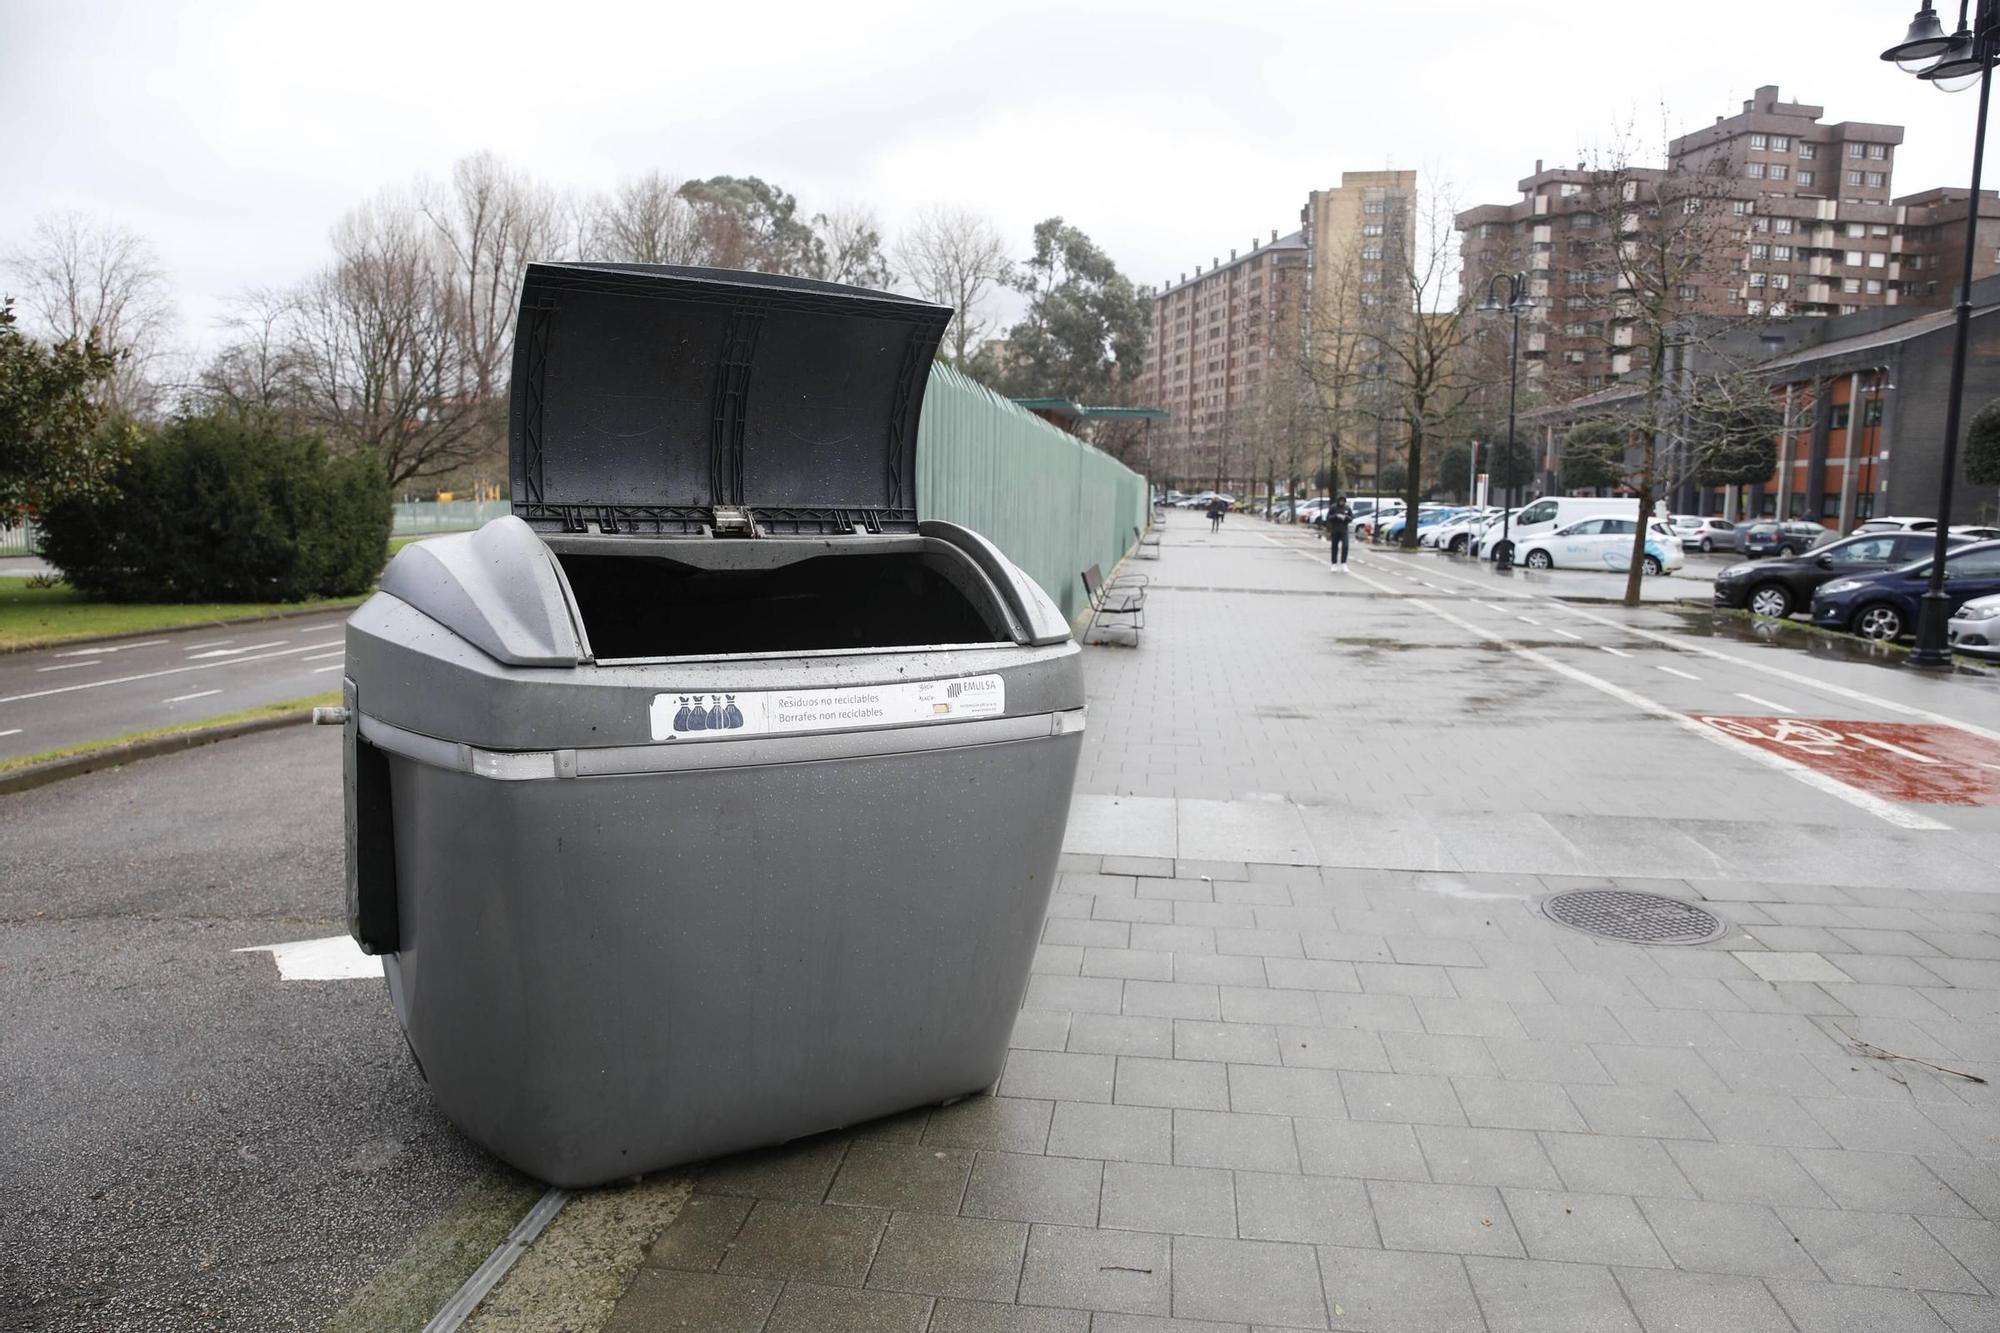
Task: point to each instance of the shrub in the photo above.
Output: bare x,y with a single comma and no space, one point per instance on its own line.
228,508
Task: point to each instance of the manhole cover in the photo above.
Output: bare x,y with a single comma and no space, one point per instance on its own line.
1636,918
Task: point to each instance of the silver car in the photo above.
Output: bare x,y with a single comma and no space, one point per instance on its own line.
1707,534
1975,628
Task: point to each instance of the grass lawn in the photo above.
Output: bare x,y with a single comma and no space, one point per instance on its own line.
280,709
38,617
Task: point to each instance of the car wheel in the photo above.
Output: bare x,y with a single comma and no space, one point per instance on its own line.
1881,622
1787,551
1504,551
1708,545
1771,599
1539,560
1458,545
1650,565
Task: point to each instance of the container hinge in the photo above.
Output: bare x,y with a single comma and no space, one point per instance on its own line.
734,521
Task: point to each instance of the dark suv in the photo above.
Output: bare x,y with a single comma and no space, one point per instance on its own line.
1787,538
1784,585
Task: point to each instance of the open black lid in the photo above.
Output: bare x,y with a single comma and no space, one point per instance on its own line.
646,396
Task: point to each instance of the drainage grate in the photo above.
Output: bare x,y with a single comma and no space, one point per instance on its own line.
1636,918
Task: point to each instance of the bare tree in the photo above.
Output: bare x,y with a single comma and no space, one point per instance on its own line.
381,348
76,277
955,258
646,220
852,236
258,367
491,221
1332,356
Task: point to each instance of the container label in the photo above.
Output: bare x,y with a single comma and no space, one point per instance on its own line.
696,717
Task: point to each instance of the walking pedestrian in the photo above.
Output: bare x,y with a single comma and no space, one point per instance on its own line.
1338,517
1216,509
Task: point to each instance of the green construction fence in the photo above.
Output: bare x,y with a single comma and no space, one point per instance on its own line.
1053,503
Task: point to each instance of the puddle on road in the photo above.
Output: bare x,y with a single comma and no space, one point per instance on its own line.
1793,636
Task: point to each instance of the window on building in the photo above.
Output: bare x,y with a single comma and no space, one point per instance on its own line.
1760,252
1689,293
1874,286
1760,224
1485,231
1878,151
1370,298
1371,252
1857,150
1781,143
1782,226
1878,260
1760,141
1573,358
1877,179
1850,284
1871,412
1754,307
1856,229
1756,279
1781,281
1838,421
1371,229
1755,171
1781,252
1855,258
1778,171
1879,229
1808,151
1741,208
1854,178
1571,189
1805,179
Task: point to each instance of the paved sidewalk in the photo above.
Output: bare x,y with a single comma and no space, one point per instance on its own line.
1299,1053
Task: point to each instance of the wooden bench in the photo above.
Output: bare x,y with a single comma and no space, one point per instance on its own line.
1121,600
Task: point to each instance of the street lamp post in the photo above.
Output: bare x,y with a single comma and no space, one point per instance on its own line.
1951,64
1518,300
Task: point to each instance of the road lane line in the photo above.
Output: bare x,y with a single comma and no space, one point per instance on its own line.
338,652
1529,619
108,648
155,675
17,731
1853,796
69,666
1554,629
1490,606
246,648
1615,652
1892,748
1675,671
212,643
183,698
1765,703
335,667
1797,678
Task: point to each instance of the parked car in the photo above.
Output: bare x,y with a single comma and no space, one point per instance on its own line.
1456,534
1428,532
1551,512
1707,534
1604,542
1892,523
1780,586
1884,605
1975,628
1770,537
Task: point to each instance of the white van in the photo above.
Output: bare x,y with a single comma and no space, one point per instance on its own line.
1543,516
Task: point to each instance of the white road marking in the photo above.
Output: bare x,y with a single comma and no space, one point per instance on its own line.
232,652
108,648
1529,619
335,667
1492,607
1854,796
68,666
1615,652
183,698
1765,703
1554,629
1676,671
212,643
335,958
316,656
1892,748
154,675
1796,678
17,731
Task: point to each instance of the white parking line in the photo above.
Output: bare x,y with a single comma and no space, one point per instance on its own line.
1892,748
1765,703
246,648
1492,607
1675,671
183,698
212,643
1615,652
1553,629
1529,619
338,652
69,666
155,675
17,731
335,667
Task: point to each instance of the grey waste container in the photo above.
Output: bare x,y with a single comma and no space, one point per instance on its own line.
712,799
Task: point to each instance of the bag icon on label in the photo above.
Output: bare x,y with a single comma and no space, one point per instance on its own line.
715,712
681,718
697,716
732,716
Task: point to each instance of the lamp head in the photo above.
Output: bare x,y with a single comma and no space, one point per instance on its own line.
1959,67
1924,42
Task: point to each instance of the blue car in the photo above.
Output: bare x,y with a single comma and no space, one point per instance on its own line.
1884,606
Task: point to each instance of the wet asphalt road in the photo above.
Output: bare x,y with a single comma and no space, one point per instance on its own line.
189,1142
68,694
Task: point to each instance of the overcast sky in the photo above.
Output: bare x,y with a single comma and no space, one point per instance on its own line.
232,135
